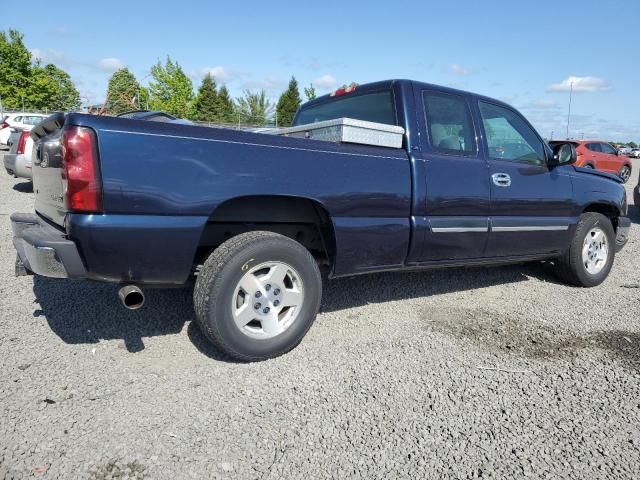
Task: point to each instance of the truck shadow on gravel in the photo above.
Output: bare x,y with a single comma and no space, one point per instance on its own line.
522,337
383,287
83,312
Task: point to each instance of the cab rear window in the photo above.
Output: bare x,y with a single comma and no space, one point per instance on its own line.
372,107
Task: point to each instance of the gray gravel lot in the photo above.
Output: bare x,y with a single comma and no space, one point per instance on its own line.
467,373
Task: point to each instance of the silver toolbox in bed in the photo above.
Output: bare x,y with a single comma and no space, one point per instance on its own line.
349,130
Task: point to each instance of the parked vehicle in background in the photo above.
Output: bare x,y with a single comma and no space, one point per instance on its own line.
18,120
635,153
624,150
14,136
253,217
601,156
18,161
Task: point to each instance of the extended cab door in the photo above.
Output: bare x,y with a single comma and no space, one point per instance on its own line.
531,204
453,191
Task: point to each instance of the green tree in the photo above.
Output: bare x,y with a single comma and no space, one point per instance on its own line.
170,90
310,92
51,88
226,106
254,108
15,69
288,104
23,81
123,92
207,107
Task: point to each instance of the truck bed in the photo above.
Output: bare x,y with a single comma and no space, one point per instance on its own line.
163,182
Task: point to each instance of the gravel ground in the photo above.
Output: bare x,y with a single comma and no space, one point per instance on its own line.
465,373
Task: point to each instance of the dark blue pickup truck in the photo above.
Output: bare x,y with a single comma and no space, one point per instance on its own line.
253,218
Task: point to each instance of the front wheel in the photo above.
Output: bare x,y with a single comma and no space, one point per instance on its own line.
590,256
257,295
625,173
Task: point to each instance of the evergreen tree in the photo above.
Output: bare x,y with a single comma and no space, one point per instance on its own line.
170,90
254,108
124,92
225,106
288,104
310,92
207,107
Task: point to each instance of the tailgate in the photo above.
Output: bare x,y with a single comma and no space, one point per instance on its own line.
47,166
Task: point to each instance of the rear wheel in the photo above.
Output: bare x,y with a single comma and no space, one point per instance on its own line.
625,173
257,295
588,165
590,256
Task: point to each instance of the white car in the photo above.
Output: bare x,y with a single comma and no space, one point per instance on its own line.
635,153
624,150
18,161
18,120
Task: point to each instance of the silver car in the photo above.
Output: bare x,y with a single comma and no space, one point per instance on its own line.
18,161
635,153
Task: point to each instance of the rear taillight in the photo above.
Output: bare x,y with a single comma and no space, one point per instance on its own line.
22,141
80,175
4,125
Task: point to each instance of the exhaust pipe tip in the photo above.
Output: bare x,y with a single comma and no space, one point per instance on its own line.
131,297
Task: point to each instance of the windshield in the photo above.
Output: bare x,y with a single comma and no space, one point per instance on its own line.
372,107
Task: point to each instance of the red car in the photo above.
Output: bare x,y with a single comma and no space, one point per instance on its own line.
601,156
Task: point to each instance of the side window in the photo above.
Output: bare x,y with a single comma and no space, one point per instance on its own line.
509,137
449,123
606,148
594,147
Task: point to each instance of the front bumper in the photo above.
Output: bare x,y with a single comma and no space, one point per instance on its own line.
44,249
622,232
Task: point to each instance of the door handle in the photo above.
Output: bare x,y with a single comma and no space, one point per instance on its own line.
501,179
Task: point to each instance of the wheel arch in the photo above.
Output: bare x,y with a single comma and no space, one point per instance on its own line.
608,210
296,217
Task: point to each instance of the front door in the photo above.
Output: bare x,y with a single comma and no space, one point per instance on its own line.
531,204
457,199
610,160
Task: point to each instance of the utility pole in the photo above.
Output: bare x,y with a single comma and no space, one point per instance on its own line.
551,137
22,102
569,114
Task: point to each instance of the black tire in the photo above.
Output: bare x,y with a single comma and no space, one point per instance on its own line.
214,291
570,267
625,173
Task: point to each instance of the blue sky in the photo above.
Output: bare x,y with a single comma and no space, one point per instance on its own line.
522,52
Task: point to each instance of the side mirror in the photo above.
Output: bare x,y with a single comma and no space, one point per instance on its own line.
563,154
